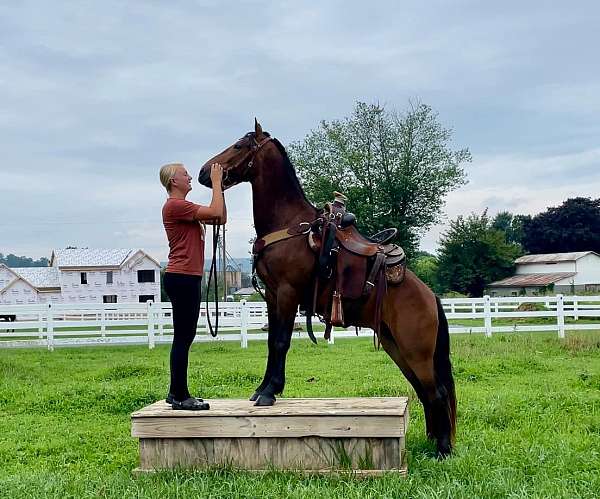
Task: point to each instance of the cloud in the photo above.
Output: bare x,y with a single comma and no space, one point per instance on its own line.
96,96
521,184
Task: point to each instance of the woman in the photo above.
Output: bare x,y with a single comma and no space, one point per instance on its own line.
183,224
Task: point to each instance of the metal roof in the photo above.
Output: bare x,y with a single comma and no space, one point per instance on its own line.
40,277
554,257
524,280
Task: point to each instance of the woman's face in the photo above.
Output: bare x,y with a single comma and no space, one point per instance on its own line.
181,181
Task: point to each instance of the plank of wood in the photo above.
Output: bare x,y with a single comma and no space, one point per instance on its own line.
403,472
285,407
269,426
307,453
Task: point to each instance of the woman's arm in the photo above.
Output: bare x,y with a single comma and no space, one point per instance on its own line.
216,209
219,220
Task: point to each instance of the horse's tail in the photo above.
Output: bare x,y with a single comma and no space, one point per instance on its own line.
442,365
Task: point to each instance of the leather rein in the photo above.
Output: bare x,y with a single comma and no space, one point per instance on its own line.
254,148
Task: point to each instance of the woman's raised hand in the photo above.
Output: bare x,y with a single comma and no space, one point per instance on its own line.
216,173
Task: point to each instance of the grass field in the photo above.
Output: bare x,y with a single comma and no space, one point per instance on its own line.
528,416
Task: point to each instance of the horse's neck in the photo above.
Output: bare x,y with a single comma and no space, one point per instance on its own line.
277,201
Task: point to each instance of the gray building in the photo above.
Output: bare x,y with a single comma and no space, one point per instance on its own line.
551,273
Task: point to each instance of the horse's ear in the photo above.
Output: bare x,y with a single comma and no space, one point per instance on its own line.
257,128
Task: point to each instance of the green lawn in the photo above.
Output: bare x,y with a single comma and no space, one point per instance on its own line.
528,416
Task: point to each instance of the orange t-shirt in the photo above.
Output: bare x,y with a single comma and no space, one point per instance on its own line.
185,235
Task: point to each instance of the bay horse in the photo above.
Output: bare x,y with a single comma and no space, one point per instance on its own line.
413,328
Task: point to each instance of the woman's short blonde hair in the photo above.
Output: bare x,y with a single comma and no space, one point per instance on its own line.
167,172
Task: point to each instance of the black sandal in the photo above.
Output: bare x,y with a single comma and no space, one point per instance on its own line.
190,404
170,398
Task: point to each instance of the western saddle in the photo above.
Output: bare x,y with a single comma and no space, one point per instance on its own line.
350,266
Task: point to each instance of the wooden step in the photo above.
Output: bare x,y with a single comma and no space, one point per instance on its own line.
312,434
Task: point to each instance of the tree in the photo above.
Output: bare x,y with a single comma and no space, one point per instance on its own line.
572,226
473,253
511,225
425,266
11,260
396,169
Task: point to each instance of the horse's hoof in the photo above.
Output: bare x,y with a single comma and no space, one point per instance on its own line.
444,448
264,401
254,396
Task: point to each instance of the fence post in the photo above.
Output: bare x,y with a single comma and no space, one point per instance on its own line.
150,313
244,324
50,328
41,323
103,322
575,308
560,315
161,317
487,315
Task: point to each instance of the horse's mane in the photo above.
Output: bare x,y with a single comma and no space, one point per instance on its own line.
290,170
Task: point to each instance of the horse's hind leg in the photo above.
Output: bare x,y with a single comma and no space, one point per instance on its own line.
389,345
418,369
437,405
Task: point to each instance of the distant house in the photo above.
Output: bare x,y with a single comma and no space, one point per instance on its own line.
554,272
244,292
84,276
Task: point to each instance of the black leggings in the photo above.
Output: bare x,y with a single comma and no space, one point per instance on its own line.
184,292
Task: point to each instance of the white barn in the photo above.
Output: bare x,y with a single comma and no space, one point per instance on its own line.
555,272
84,276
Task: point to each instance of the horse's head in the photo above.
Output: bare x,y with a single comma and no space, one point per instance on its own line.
237,160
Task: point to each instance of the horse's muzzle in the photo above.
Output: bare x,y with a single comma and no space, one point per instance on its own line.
204,177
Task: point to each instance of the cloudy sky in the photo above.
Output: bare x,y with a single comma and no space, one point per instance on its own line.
95,96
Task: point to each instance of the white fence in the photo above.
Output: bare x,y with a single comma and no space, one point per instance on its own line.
51,325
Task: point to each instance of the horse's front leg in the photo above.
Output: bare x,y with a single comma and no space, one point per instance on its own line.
271,310
280,336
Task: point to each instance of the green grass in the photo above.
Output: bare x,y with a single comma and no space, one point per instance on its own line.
528,418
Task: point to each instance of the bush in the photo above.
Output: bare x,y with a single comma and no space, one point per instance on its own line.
531,307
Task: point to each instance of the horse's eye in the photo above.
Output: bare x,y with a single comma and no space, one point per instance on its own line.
237,146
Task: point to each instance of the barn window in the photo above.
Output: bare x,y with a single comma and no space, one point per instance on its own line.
109,299
145,298
83,277
109,277
146,275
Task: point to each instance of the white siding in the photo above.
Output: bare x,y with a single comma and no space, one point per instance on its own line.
19,293
6,276
147,288
54,297
588,270
545,268
125,284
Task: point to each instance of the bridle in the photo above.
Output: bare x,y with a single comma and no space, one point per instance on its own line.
250,156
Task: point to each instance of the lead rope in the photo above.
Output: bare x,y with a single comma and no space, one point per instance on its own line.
211,273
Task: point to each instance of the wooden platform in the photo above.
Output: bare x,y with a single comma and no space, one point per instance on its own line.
365,435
